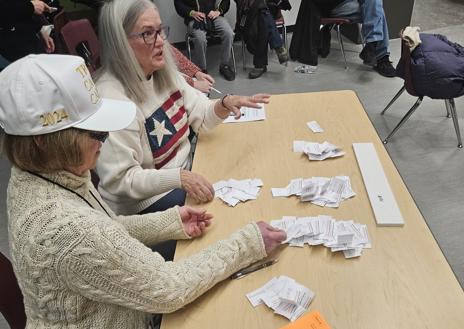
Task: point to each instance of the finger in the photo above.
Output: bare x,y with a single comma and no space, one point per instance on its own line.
209,78
236,111
196,211
47,8
278,236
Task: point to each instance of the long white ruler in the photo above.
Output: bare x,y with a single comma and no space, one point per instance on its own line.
382,200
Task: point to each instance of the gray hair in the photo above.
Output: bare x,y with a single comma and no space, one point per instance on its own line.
117,19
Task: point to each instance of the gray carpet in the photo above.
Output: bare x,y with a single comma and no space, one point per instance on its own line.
424,150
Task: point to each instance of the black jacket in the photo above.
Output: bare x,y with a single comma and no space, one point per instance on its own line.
184,7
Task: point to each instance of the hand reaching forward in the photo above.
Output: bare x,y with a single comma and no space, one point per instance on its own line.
196,186
40,7
272,237
233,103
195,221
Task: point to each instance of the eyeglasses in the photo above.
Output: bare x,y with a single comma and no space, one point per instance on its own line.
100,136
150,36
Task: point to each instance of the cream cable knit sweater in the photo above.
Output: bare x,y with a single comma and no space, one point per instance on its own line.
79,268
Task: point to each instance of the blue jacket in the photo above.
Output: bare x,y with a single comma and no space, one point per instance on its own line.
437,67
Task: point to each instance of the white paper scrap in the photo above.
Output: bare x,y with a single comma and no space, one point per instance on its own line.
234,191
248,114
314,126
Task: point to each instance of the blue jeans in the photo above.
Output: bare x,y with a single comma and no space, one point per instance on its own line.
270,35
374,24
174,198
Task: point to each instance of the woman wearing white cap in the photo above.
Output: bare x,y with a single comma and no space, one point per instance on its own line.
77,263
142,163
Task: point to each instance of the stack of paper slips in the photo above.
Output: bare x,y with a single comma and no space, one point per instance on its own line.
233,191
346,236
317,151
322,191
284,295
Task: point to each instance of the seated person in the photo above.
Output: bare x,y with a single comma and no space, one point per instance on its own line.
257,26
77,263
192,73
207,16
20,29
143,168
307,42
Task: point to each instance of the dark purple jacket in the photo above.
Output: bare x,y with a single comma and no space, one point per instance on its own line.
437,67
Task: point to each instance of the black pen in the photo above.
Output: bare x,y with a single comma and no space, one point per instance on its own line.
252,268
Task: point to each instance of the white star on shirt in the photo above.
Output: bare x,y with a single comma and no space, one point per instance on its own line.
160,131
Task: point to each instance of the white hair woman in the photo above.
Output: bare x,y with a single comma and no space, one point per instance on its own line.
77,263
143,168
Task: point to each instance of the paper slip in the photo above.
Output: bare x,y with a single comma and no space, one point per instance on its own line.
321,191
346,236
248,114
284,295
233,191
317,151
312,320
314,126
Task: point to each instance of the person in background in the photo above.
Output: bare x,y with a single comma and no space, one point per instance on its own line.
203,17
78,264
20,29
144,168
192,73
256,22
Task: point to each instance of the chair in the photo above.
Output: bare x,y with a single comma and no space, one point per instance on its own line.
336,22
11,301
409,87
209,37
80,39
280,24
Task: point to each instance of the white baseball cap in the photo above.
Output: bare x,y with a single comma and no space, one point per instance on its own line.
40,94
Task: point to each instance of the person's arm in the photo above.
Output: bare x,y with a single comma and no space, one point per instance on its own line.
184,65
107,266
183,9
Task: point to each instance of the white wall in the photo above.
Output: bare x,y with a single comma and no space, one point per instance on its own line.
178,28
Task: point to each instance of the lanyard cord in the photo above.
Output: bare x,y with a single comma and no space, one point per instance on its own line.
68,189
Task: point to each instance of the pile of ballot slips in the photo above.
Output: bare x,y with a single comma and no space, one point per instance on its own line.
346,236
321,191
317,151
284,295
233,191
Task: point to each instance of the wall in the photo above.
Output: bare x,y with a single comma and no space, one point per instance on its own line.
177,26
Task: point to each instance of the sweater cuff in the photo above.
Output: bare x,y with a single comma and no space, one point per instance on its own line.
212,119
170,179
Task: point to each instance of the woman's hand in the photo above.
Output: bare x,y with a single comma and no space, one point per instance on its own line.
198,16
233,103
196,186
213,14
202,85
195,221
49,43
40,7
272,237
204,77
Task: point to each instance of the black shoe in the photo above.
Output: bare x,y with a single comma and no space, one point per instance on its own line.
385,67
282,55
227,72
324,46
368,53
257,72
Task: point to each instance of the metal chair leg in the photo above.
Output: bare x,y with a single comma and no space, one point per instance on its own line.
404,119
284,31
340,41
448,114
243,55
232,54
360,34
187,41
398,94
454,115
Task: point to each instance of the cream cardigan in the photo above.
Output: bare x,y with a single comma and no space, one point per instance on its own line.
80,268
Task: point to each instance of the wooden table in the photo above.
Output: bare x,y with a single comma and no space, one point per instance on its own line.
404,281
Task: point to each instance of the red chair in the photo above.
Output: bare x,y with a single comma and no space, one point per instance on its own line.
11,301
80,39
59,20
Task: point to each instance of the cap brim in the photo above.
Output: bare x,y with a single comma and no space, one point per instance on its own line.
112,115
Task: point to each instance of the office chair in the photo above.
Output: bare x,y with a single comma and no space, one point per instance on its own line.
11,300
80,39
409,87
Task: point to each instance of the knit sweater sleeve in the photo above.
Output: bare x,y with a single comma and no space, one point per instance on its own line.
200,108
184,65
107,266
